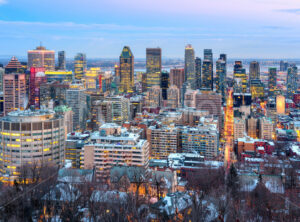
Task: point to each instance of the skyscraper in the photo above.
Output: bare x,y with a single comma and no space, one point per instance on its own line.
164,84
37,77
1,79
240,77
207,75
80,65
272,80
153,66
177,77
254,72
126,70
61,60
189,65
283,66
208,55
292,81
220,76
41,57
14,90
14,66
198,67
223,57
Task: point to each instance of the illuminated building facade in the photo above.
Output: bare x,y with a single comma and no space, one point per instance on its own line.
266,129
1,79
74,146
41,57
272,83
220,77
126,70
173,97
198,70
59,75
239,128
229,129
14,90
61,60
177,77
240,77
91,77
163,141
113,145
207,75
257,89
80,65
37,77
164,84
54,91
292,81
202,139
280,104
254,71
30,137
14,66
153,97
76,99
252,127
189,65
153,67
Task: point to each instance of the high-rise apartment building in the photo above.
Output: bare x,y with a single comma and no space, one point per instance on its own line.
126,70
198,70
37,78
292,81
30,137
112,146
207,75
173,97
203,140
163,141
254,72
177,77
41,57
76,99
153,97
80,65
252,127
189,65
61,60
153,67
239,128
272,83
266,129
14,90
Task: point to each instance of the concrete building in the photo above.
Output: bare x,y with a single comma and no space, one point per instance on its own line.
76,99
61,60
30,137
177,77
113,145
153,97
203,140
190,98
74,145
252,127
163,141
41,57
153,66
239,128
14,90
67,113
266,129
173,97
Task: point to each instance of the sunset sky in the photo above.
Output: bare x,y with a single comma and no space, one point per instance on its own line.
100,28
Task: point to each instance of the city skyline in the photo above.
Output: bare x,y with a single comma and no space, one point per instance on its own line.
251,29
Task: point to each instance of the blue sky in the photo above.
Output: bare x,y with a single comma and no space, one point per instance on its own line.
100,28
